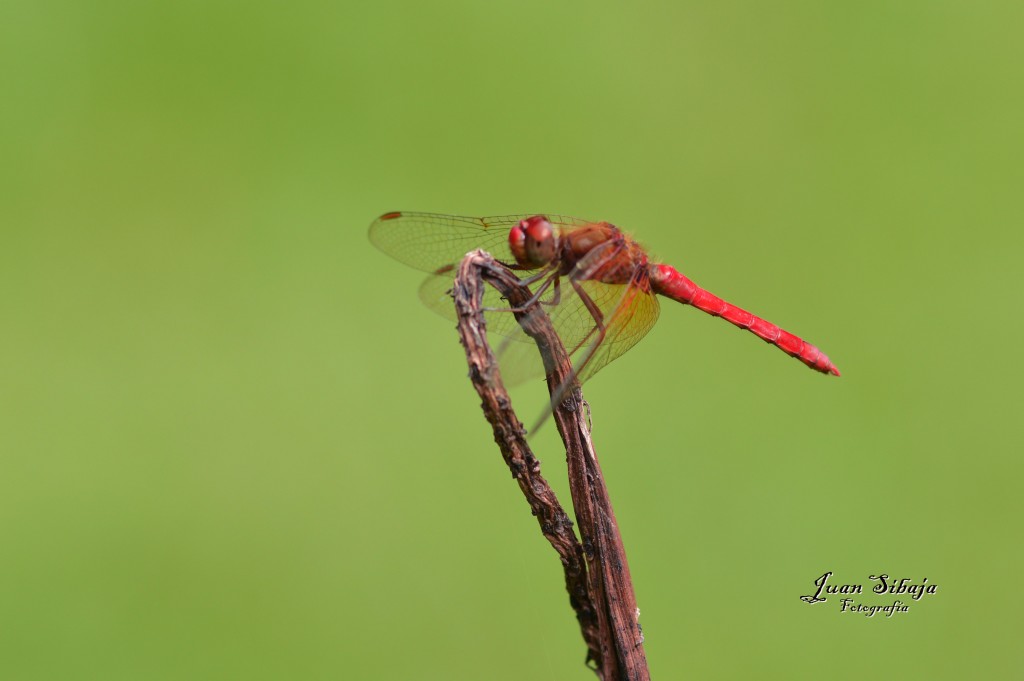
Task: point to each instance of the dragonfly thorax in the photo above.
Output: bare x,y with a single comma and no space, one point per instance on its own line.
533,242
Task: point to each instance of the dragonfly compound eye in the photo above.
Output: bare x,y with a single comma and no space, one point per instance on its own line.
517,242
533,242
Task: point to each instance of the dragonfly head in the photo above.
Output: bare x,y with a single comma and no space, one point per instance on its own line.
533,242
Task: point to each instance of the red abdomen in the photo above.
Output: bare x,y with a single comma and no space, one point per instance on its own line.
672,284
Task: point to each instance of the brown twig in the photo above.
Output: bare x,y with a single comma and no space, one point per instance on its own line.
596,573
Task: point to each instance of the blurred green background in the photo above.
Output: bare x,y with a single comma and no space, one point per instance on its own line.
234,445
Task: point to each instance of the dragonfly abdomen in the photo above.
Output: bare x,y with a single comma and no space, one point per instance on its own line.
669,282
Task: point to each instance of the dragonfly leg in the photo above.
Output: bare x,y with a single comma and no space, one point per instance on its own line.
587,268
599,328
594,311
536,277
535,297
556,294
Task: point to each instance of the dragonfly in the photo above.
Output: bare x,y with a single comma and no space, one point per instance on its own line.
597,284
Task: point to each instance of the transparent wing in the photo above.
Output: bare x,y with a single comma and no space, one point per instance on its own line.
632,317
597,323
435,292
431,242
627,312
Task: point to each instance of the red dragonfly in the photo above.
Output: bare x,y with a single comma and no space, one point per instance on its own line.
598,284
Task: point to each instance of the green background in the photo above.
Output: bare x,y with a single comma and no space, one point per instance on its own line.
233,445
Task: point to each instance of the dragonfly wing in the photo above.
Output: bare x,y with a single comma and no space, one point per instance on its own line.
432,242
627,312
436,243
626,321
436,293
516,352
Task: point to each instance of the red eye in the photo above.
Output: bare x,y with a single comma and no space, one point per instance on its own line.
533,242
517,242
538,229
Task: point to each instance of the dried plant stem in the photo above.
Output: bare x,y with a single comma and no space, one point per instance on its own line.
596,572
